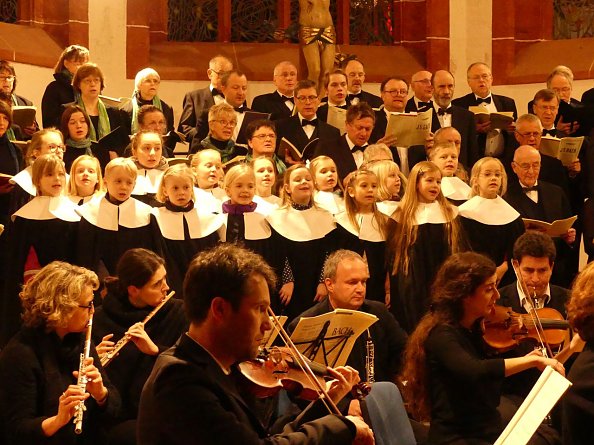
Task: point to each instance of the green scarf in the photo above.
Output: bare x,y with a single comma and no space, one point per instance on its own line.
10,135
85,143
104,127
135,107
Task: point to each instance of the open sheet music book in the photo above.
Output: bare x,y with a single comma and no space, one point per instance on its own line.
566,150
270,335
329,338
410,128
544,395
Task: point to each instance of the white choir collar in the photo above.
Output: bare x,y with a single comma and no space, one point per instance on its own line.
387,207
200,225
431,213
369,228
301,225
105,215
206,202
268,204
453,187
25,181
255,224
147,181
48,207
493,212
329,201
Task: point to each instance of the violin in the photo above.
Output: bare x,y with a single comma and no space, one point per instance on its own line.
279,368
503,329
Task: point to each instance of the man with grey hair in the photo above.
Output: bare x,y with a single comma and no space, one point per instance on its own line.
194,118
345,276
280,103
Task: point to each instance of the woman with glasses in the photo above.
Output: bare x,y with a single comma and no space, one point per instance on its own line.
42,231
221,123
60,91
39,367
139,286
261,137
8,82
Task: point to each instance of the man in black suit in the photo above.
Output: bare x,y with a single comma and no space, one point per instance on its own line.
345,275
226,295
348,153
234,86
534,198
420,83
194,118
335,84
355,73
305,129
492,142
447,115
280,103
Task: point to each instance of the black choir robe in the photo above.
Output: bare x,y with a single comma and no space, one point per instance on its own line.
291,129
272,103
193,122
463,121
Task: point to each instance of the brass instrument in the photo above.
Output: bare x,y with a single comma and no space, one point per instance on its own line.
107,358
82,378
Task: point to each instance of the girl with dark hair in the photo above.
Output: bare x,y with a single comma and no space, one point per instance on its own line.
449,379
140,285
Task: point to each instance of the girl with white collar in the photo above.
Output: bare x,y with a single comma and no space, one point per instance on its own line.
85,179
147,154
329,192
427,231
454,178
490,223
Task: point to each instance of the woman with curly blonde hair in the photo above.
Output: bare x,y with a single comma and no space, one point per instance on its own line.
41,363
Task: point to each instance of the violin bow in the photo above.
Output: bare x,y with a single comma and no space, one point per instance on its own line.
302,362
535,318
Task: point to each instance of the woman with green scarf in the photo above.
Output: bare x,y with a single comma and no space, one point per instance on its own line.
88,83
75,128
146,92
59,91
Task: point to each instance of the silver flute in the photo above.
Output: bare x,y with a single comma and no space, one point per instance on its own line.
82,378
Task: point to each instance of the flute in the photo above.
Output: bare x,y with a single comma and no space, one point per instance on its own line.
108,357
82,378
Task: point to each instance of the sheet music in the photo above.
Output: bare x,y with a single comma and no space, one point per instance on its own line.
270,335
544,395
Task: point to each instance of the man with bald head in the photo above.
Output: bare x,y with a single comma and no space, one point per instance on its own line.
492,142
447,115
281,102
194,118
420,83
534,198
355,72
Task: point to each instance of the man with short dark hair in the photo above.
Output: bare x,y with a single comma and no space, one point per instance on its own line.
226,297
234,86
346,275
335,84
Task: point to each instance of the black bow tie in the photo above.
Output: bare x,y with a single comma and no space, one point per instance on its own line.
486,100
352,96
534,188
441,111
552,132
239,109
360,148
344,107
287,98
216,92
424,105
313,122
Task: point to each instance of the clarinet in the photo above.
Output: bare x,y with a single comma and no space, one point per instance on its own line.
370,359
107,358
82,378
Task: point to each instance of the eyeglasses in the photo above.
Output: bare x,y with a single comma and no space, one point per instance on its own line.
556,90
88,307
226,123
264,136
289,74
397,92
526,166
423,81
54,148
91,81
7,78
306,98
481,77
548,107
220,73
533,134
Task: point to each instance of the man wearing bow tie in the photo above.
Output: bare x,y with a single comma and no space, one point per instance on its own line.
348,153
194,118
234,89
420,83
335,83
534,198
305,129
447,115
280,103
355,73
492,142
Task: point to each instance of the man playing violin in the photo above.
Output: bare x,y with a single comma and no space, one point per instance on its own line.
191,395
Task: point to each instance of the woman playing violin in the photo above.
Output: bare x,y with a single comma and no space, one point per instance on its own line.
449,379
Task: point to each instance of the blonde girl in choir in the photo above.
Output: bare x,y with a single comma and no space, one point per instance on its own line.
490,223
454,178
305,239
426,232
147,154
184,230
85,179
265,181
364,229
115,222
328,193
208,169
390,185
43,230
